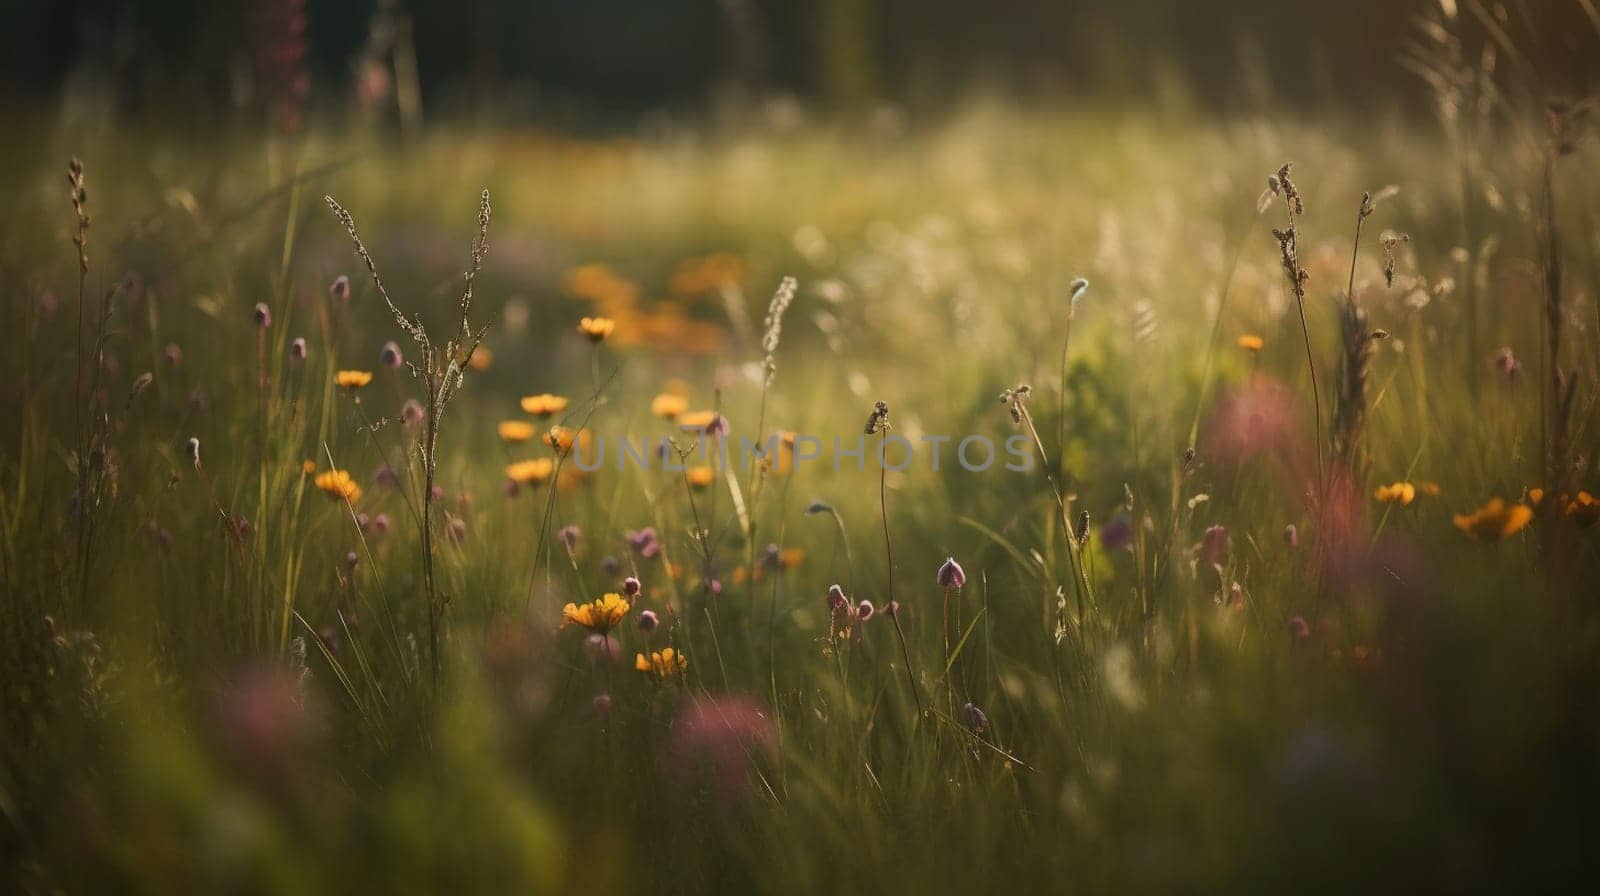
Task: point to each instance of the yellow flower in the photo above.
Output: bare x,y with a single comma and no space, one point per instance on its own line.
516,430
530,472
1251,342
596,328
661,664
598,616
352,379
544,404
700,476
1494,521
481,359
668,405
338,484
561,438
1401,493
1535,495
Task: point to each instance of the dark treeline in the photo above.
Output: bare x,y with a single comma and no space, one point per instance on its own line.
472,55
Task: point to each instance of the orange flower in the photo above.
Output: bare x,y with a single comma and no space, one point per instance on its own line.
709,422
1494,521
530,472
481,359
544,404
700,476
596,328
661,664
668,405
1251,342
352,379
562,438
1585,510
338,484
308,467
516,430
1401,493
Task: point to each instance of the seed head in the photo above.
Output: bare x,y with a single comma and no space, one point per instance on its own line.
951,576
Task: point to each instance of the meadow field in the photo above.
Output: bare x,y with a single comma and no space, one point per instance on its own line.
1282,572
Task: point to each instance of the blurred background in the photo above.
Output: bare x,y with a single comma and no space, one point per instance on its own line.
600,61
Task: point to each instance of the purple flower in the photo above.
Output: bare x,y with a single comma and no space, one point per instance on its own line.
648,620
601,705
390,356
297,349
864,610
1117,535
951,576
631,587
1298,629
351,561
380,523
411,412
836,599
645,542
456,529
974,718
263,315
1506,363
386,476
172,354
340,288
568,535
1291,536
721,736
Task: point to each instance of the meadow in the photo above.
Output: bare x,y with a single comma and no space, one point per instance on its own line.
306,588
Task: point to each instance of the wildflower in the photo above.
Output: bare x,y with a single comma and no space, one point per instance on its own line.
172,354
1117,535
340,288
1214,546
352,379
481,359
562,438
601,705
516,430
864,610
351,561
602,649
892,610
1584,510
263,315
390,356
381,524
1494,521
1401,493
599,616
596,328
700,476
455,529
836,598
386,476
1506,363
412,411
338,484
974,718
308,466
530,472
297,349
709,422
191,450
645,542
661,664
1250,342
951,576
568,535
1298,629
648,620
543,405
631,587
1291,536
668,406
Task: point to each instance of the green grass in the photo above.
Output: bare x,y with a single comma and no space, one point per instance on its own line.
206,711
